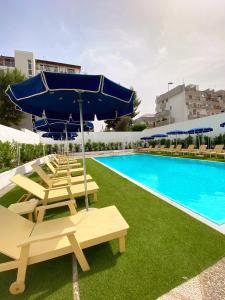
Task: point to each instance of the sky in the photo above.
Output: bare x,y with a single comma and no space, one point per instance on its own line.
144,43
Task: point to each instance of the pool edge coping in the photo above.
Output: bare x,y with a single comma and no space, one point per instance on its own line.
219,228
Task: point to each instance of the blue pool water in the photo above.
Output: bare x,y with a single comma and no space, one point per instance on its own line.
197,185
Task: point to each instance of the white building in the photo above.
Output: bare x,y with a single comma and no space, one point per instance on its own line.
187,103
27,63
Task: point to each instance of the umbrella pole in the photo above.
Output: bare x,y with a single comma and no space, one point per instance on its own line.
83,152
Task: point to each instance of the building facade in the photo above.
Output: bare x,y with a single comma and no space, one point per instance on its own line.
184,103
30,66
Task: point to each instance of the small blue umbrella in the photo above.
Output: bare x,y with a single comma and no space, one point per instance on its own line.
158,136
146,138
198,131
176,133
60,135
222,124
54,125
72,97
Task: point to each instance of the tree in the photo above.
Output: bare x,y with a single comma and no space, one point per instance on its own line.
139,126
124,123
8,114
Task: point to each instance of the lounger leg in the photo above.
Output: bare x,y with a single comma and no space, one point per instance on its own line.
30,217
40,215
78,253
122,245
72,208
95,197
18,286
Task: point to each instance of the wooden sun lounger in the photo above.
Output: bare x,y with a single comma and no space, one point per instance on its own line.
54,194
63,172
168,149
65,166
58,181
160,149
218,149
176,150
189,149
201,150
27,243
63,159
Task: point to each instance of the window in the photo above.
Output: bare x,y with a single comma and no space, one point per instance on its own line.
29,72
190,96
70,71
56,69
41,67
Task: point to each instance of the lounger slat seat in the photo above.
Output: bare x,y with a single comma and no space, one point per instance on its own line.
50,195
56,172
28,243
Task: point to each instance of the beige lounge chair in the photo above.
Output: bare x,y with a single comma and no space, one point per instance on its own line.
27,243
54,194
68,171
176,150
218,149
64,166
202,149
161,148
63,159
156,148
189,149
58,181
145,149
168,149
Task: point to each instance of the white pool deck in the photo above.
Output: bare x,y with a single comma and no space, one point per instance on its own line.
220,228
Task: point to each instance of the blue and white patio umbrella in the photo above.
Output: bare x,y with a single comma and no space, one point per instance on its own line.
198,131
61,136
146,138
176,133
222,124
54,125
72,97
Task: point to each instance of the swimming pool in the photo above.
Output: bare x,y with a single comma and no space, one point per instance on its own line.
195,184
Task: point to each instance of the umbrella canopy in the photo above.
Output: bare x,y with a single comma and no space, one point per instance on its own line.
222,124
145,138
60,136
54,125
158,136
72,97
176,132
199,130
57,95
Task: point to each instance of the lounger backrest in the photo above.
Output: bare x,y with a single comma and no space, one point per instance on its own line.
29,185
163,146
50,166
218,148
191,147
44,176
179,147
54,163
14,229
202,147
171,147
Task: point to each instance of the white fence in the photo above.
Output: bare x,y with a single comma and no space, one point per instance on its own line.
211,121
21,136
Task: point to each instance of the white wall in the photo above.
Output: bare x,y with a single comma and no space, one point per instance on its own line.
21,136
210,121
178,107
21,61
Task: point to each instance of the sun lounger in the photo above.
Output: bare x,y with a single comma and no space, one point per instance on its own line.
160,149
64,166
58,181
27,243
189,149
218,149
199,151
54,194
60,159
68,171
168,149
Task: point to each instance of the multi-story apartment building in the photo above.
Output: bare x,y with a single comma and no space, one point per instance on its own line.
30,66
186,103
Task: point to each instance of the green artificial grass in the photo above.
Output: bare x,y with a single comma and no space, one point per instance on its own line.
164,246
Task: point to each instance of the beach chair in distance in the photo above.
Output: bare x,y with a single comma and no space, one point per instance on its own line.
214,152
62,160
202,149
58,181
27,243
171,147
64,166
176,150
189,149
68,171
55,194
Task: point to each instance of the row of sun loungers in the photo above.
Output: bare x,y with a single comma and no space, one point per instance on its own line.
27,242
218,151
